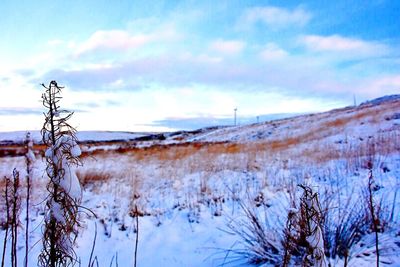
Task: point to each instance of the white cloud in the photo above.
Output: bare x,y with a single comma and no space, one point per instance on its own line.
272,52
113,40
275,17
122,40
227,47
385,85
340,44
17,92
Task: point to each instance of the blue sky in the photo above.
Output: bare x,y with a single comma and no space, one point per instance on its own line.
146,65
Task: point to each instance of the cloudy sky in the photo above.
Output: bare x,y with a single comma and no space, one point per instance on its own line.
163,65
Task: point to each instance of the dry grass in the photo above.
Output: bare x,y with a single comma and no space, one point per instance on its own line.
178,160
298,143
87,177
213,157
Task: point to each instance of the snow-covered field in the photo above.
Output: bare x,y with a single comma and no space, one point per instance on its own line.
95,136
190,187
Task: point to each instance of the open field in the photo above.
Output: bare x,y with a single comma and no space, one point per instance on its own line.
188,187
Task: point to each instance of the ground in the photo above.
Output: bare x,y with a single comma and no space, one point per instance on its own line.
188,187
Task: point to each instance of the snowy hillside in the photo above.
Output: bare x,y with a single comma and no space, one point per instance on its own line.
355,122
193,192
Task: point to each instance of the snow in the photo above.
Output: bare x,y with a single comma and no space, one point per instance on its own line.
56,211
31,156
70,182
188,201
75,151
381,100
58,154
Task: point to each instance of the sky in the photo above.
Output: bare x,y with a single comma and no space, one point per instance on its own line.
170,65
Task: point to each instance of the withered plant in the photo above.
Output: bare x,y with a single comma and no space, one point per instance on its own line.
29,159
64,191
373,209
12,199
311,235
259,237
136,215
15,211
342,233
289,242
7,223
303,236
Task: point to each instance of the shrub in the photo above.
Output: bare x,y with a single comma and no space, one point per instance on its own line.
64,191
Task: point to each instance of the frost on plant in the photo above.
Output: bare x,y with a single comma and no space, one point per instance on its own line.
64,190
311,232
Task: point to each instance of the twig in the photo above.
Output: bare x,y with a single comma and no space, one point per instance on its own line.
8,184
137,234
375,221
94,244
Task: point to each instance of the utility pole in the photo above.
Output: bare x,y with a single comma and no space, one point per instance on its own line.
234,117
258,119
354,100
